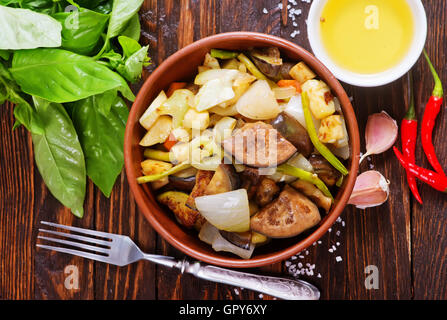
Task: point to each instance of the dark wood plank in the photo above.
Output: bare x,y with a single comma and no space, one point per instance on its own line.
429,221
16,210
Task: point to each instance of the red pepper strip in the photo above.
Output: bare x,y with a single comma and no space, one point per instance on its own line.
428,121
409,129
433,179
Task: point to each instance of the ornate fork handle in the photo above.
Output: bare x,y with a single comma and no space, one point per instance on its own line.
277,287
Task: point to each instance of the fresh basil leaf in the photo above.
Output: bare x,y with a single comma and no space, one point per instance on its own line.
104,7
133,28
122,12
59,156
129,45
5,54
23,111
90,4
81,30
133,66
62,76
25,29
102,139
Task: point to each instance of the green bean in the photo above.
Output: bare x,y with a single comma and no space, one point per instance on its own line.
322,149
157,155
158,176
306,176
223,54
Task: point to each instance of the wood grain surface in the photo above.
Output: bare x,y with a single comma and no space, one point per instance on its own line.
406,241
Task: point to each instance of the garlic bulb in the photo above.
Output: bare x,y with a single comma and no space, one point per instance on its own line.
371,189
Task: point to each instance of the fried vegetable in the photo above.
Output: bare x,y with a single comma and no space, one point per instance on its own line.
223,54
294,132
158,176
231,64
322,149
266,192
324,169
268,60
224,128
301,72
158,133
227,211
151,167
259,145
284,73
239,239
224,179
258,239
321,101
176,202
183,184
331,129
213,93
196,120
313,193
152,113
258,102
211,62
177,106
203,178
251,67
289,215
157,155
306,176
175,86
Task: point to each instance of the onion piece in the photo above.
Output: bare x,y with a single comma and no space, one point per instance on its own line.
282,93
212,236
371,189
381,133
295,109
228,211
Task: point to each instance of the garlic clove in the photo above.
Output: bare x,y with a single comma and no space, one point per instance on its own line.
380,134
371,189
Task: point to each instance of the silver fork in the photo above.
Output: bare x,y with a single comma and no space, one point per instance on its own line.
121,250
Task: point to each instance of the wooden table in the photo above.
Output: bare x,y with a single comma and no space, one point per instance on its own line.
405,241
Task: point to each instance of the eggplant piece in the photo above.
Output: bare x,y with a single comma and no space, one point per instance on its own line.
176,202
250,179
289,215
203,178
268,61
324,169
225,179
285,69
182,184
252,145
239,239
292,130
266,192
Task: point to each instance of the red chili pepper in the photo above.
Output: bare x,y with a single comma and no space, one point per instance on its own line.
434,179
409,129
428,121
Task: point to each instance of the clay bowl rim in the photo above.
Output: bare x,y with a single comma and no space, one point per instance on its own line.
342,198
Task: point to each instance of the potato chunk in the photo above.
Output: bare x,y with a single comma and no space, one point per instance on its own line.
158,133
289,215
301,73
321,101
331,129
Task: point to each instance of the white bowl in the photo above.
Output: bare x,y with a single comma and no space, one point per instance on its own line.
375,79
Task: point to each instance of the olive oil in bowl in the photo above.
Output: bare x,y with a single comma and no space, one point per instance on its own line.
367,36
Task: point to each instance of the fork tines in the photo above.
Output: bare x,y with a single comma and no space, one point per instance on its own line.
92,248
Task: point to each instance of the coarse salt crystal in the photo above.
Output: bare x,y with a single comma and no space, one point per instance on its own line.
265,11
338,258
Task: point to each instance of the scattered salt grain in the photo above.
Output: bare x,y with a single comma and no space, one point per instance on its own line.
265,11
261,296
338,258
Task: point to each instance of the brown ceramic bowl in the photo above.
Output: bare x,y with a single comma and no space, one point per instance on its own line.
182,66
